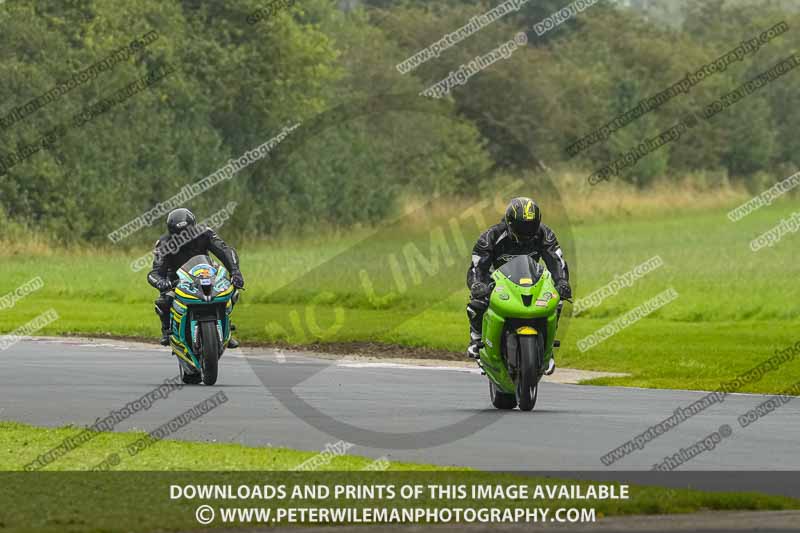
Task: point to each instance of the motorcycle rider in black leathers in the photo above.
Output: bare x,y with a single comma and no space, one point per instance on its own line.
188,240
521,232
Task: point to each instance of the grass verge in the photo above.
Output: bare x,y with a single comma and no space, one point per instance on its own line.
136,495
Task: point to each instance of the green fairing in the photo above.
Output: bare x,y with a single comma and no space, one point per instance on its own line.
506,302
182,326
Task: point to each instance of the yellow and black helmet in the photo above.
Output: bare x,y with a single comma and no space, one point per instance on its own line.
522,219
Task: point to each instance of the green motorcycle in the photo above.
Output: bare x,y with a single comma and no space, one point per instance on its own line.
519,332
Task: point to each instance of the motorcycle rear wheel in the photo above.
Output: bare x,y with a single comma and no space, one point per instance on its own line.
500,399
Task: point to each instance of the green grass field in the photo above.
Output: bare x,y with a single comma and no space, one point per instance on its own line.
134,495
735,306
29,442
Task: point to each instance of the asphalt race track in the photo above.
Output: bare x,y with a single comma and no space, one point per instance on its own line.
72,381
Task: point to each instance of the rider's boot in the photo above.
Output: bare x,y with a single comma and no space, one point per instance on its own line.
475,344
475,315
165,331
551,367
162,310
233,343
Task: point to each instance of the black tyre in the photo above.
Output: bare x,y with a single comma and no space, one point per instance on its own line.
190,379
500,399
530,347
209,351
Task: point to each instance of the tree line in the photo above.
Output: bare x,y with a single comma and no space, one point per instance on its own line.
241,71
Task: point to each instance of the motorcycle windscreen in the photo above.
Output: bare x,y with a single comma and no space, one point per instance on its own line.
200,266
522,270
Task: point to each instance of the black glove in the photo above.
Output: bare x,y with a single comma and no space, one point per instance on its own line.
164,285
237,279
564,290
479,289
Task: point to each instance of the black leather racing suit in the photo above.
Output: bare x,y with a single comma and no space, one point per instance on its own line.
166,263
494,248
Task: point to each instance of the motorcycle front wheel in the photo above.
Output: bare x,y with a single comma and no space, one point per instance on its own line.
209,351
530,347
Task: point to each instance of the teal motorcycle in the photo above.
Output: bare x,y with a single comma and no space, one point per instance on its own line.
519,332
200,318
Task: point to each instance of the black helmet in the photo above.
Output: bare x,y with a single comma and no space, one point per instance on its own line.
522,219
179,219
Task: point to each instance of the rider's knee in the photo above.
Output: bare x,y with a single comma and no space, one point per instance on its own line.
477,305
475,310
162,304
